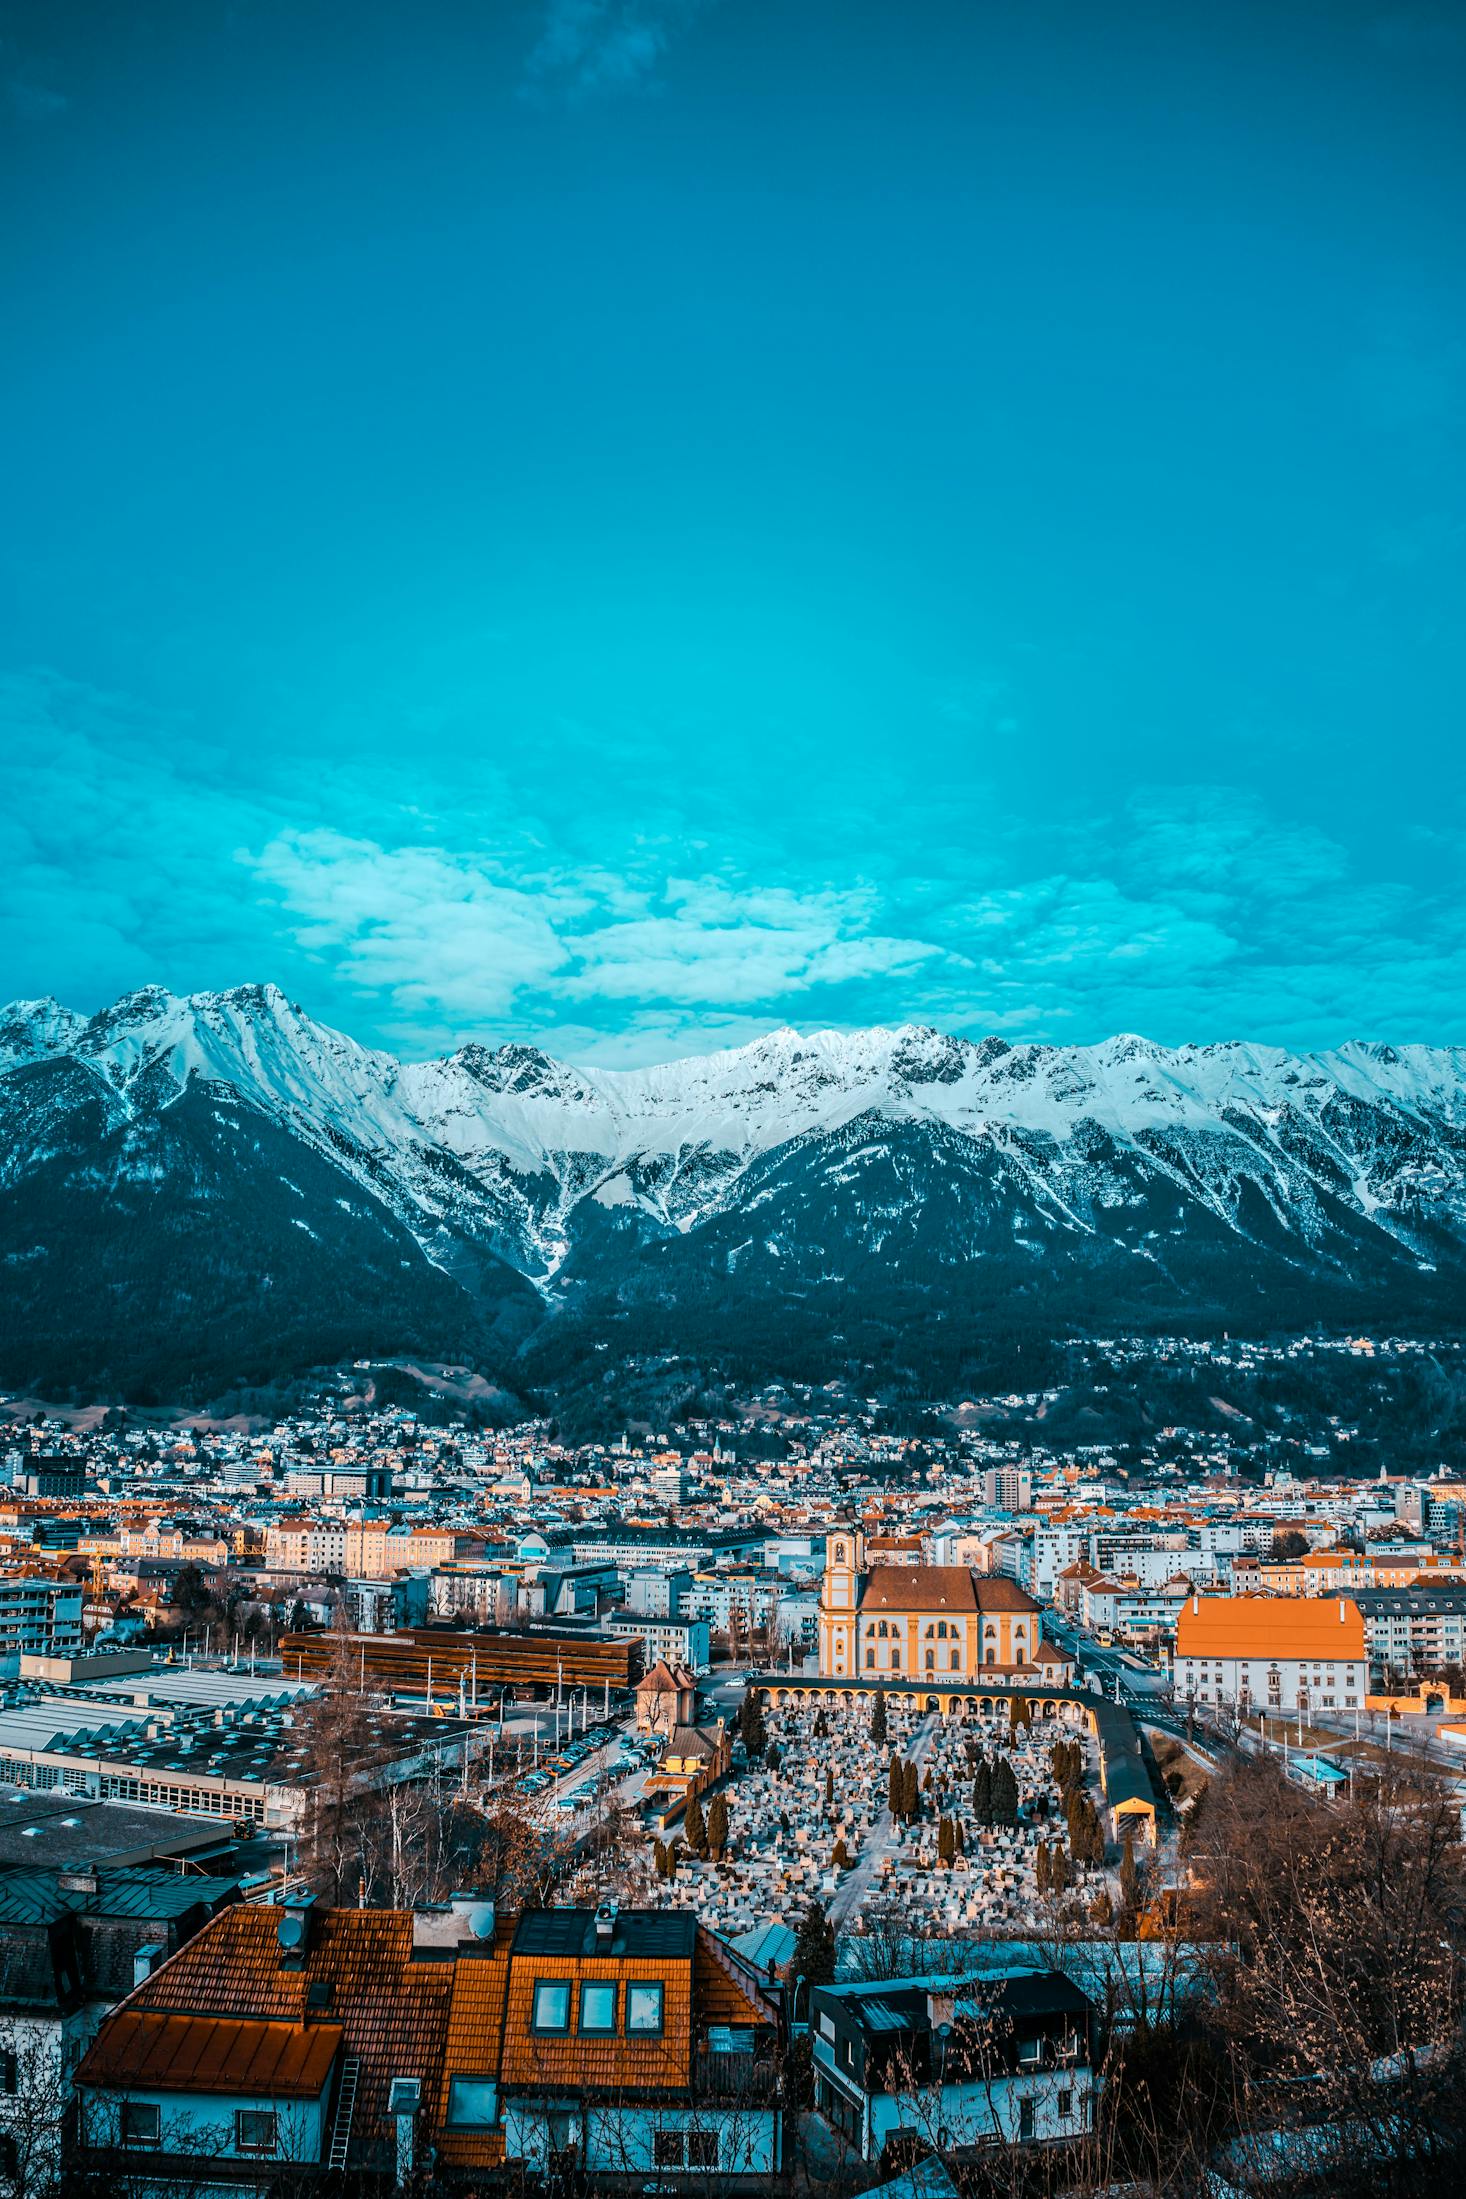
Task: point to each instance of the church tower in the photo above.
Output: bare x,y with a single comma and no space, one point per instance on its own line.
840,1600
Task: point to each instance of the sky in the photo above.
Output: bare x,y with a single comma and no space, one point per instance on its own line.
625,523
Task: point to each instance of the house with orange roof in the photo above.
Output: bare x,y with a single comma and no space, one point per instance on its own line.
1271,1653
289,2044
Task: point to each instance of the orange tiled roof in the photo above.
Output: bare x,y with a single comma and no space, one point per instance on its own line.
167,2053
394,2011
1270,1626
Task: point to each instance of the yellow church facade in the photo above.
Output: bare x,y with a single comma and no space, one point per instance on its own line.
927,1623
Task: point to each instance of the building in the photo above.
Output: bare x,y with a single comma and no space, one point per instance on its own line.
665,1697
368,2041
1409,1631
668,1641
1271,1653
927,1622
1008,1488
38,1618
1004,2060
695,1758
52,1477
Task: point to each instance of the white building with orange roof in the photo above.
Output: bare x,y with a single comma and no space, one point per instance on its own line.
1272,1653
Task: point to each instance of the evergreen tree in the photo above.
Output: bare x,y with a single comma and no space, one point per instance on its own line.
813,1958
694,1828
1058,1869
829,1784
946,1846
839,1859
751,1728
1019,1712
659,1859
910,1793
718,1827
982,1792
784,1825
926,1784
1005,1794
896,1787
1041,1867
878,1716
959,1836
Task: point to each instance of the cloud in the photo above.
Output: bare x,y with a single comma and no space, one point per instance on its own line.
599,48
439,931
427,928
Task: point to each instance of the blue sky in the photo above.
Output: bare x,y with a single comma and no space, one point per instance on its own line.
626,522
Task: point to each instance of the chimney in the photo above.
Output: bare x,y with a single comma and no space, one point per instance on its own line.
293,1930
605,1926
475,1912
145,1961
402,2106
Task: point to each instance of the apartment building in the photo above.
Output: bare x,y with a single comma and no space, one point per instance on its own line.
1414,1630
38,1618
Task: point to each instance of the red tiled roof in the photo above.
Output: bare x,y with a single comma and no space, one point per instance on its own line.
164,2053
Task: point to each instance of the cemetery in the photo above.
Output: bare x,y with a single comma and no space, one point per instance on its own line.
874,1803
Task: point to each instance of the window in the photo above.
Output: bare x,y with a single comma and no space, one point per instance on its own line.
1065,2106
667,2148
254,2130
142,2123
598,2007
1025,2119
9,2071
643,2008
551,2005
702,2149
870,1658
473,2103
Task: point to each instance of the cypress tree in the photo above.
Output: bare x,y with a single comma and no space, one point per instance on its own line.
1041,1867
982,1792
839,1859
829,1784
959,1836
878,1716
945,1846
813,1958
1005,1794
895,1788
694,1828
910,1795
718,1827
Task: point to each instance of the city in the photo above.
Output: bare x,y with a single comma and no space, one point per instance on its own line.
823,1747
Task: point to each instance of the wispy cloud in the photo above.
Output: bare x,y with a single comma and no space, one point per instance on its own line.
130,852
591,49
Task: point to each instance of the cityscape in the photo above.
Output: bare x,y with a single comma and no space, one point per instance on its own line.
732,1099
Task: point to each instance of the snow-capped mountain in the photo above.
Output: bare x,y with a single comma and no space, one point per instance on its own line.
1222,1181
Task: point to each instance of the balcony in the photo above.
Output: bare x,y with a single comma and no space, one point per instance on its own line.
721,2076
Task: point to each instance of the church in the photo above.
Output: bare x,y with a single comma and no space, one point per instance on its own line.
937,1623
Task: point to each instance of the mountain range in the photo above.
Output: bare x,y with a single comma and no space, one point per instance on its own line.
205,1191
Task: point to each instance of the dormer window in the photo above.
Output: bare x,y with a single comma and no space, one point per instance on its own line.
644,2009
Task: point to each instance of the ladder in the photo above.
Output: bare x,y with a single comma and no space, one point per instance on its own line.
345,2106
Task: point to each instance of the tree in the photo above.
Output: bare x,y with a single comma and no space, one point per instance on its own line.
1129,1878
1288,1543
1019,1713
718,1827
751,1727
878,1716
910,1793
829,1785
694,1829
1004,1793
946,1845
896,1788
1041,1867
839,1857
982,1792
813,1958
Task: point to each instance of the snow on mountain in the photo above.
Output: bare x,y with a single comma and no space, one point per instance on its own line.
517,1151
